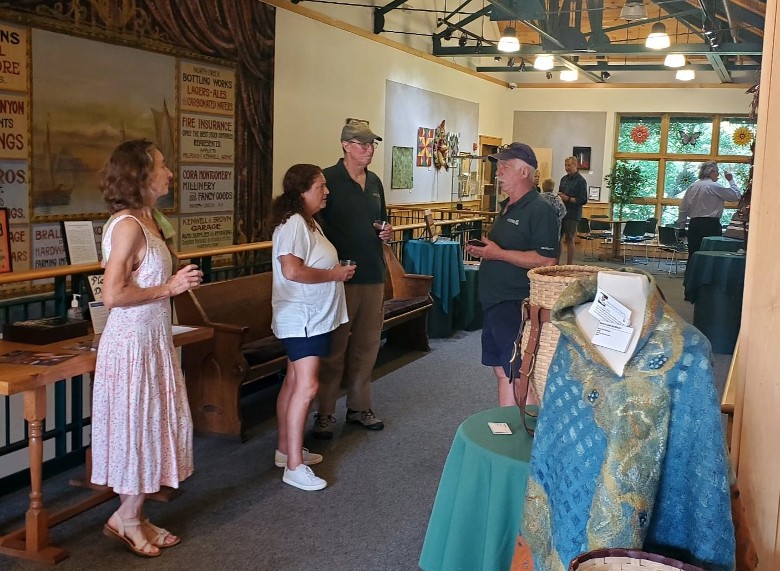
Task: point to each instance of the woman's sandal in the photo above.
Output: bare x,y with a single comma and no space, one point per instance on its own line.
160,535
119,535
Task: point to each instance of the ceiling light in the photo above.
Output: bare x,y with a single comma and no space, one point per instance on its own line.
633,10
658,38
569,75
544,63
462,40
685,74
509,41
605,75
674,60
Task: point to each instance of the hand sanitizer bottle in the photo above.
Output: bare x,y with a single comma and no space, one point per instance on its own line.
74,312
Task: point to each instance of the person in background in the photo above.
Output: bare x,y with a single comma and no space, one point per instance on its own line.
573,191
523,236
703,204
537,178
308,304
548,186
355,221
141,423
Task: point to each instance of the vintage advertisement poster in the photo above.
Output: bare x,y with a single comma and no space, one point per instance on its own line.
13,190
205,231
5,242
13,58
207,89
89,97
206,189
207,139
48,249
13,126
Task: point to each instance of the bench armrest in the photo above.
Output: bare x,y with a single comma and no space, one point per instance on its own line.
412,285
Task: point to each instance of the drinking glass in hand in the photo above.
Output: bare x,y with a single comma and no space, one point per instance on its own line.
347,262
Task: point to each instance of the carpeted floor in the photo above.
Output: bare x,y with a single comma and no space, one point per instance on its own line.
235,513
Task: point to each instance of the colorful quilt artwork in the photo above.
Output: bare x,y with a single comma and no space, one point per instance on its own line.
424,147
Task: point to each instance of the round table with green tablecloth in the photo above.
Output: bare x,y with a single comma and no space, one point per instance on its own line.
721,244
479,505
714,282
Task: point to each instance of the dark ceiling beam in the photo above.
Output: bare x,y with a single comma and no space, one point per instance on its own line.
719,67
379,15
616,68
636,23
467,20
726,49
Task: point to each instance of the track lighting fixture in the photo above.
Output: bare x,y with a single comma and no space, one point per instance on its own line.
522,65
549,75
462,40
510,62
605,75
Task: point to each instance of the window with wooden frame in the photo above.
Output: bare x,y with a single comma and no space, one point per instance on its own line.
670,148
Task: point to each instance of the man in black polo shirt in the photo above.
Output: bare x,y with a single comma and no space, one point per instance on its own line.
523,236
355,202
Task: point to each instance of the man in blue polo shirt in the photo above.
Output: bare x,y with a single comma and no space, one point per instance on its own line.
523,236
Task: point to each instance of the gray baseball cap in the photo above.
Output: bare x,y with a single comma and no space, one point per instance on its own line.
358,131
516,151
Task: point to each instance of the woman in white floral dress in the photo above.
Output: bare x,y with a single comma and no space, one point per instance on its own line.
141,424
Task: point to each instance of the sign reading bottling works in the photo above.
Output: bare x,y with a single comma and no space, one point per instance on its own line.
206,189
207,89
13,58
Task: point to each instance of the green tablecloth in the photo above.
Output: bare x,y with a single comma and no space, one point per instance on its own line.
468,310
721,244
443,260
476,516
714,282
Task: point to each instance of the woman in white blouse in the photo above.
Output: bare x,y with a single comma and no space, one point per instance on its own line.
308,304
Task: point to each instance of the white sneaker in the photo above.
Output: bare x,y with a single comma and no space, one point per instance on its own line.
303,478
309,458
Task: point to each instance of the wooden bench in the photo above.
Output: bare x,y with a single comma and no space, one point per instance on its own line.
244,349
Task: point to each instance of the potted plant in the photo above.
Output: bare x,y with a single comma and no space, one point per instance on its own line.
624,183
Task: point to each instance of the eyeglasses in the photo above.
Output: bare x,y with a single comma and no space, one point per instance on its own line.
365,146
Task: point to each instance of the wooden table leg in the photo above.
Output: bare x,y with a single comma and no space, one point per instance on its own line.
35,544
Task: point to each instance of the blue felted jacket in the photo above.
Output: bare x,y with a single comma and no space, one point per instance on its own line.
637,461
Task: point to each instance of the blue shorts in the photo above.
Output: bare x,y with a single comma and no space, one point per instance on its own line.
300,347
500,326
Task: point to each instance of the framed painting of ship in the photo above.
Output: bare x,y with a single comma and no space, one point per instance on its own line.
90,96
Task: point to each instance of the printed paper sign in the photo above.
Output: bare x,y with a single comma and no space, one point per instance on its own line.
607,308
206,189
207,139
616,337
13,58
207,89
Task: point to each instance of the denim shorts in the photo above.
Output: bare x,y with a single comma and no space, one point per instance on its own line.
500,326
300,347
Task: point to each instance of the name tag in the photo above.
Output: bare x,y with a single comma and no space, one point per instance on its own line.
606,308
616,337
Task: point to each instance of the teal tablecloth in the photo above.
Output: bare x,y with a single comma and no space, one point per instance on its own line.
478,508
468,310
721,244
443,260
714,282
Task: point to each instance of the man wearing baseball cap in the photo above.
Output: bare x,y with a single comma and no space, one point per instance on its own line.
524,235
355,202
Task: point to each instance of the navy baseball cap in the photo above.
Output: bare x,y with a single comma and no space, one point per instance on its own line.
516,151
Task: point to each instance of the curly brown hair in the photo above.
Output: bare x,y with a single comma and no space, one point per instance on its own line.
124,179
297,180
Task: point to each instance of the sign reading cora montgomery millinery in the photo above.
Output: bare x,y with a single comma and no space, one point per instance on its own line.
206,189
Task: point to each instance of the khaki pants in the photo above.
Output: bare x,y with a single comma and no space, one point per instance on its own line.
353,351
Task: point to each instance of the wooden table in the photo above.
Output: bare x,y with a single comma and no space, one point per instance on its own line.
32,541
617,233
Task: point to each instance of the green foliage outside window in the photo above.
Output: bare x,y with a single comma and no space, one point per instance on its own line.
624,183
689,136
684,136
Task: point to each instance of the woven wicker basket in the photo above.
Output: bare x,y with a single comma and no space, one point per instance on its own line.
627,559
547,283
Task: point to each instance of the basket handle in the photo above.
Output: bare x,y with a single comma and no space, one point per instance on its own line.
537,315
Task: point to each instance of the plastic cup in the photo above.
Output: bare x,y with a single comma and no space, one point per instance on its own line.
346,262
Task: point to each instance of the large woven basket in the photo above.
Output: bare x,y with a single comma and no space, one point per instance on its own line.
627,560
547,283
